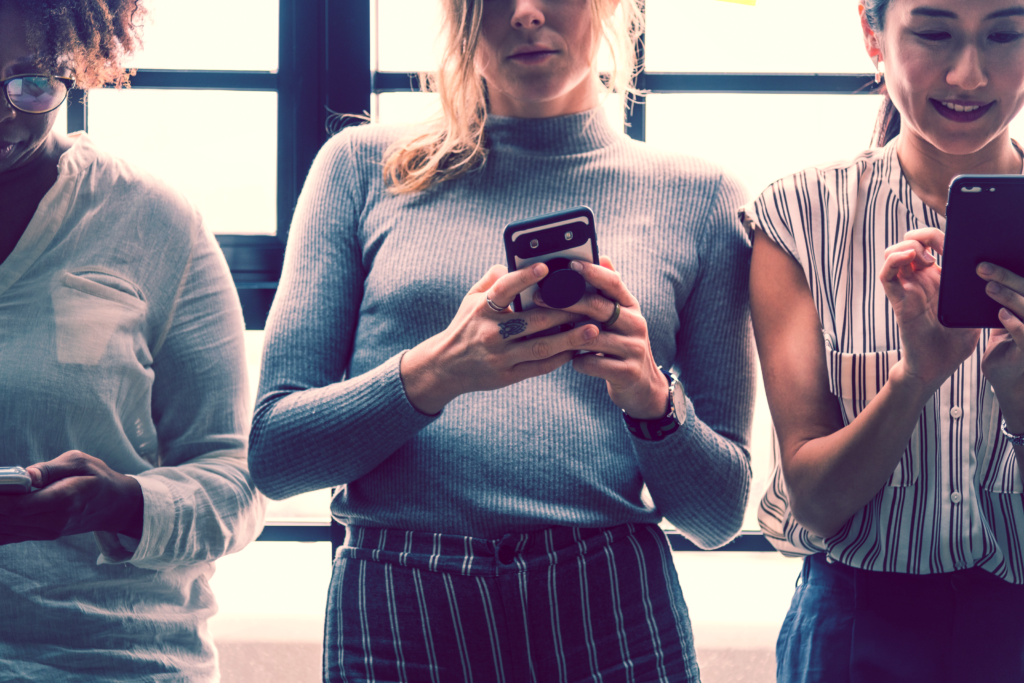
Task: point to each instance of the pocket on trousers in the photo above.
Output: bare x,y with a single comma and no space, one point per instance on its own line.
90,310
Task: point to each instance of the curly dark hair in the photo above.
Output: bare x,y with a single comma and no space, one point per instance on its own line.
92,37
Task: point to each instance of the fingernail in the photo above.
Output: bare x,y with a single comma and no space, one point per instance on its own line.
576,265
986,269
993,288
1004,315
589,332
927,257
538,269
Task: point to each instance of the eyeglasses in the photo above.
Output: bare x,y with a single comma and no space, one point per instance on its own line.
36,93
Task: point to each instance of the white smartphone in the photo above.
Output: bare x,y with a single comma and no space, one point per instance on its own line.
14,480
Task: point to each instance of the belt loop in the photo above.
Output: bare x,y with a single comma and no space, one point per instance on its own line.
805,572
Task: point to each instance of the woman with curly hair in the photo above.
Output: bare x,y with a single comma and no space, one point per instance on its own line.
493,483
122,381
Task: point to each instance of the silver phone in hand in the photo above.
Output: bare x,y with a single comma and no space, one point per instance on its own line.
14,480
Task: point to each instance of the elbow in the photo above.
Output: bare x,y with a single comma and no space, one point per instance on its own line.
818,517
265,471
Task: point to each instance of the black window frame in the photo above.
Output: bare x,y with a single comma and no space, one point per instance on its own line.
324,69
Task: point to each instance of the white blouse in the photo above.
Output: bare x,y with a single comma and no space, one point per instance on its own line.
954,500
121,335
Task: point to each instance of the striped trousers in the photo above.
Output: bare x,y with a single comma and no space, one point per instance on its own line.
562,605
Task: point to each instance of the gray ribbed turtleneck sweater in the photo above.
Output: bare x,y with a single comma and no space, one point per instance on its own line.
369,274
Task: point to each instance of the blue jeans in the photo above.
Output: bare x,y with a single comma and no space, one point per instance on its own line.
560,604
847,625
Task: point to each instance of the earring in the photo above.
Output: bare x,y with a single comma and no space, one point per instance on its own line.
876,57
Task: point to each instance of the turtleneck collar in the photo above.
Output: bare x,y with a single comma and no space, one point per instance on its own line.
556,136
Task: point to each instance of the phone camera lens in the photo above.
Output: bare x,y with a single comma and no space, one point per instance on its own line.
568,235
563,286
534,244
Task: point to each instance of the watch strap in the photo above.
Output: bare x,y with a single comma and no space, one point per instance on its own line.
658,428
1015,439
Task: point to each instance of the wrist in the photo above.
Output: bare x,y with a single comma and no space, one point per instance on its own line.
910,387
1013,422
131,521
661,426
656,406
420,379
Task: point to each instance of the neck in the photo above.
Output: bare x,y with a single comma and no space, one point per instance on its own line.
930,170
23,187
583,97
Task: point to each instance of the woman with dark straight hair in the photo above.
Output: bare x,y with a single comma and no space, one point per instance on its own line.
899,441
492,483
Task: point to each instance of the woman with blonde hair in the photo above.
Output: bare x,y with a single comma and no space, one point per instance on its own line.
493,482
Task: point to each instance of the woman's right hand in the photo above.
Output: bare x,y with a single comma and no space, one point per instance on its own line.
483,349
910,277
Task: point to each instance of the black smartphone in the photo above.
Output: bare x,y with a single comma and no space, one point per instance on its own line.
555,239
984,222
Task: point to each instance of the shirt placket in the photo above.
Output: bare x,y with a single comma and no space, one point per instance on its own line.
958,436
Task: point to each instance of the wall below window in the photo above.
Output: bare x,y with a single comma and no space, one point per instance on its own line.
272,598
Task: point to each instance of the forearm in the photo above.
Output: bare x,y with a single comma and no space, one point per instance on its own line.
830,478
699,480
194,512
312,439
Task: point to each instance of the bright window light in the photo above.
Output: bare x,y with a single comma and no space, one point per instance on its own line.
194,34
762,138
772,36
218,147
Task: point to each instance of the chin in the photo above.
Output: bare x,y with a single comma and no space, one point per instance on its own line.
960,143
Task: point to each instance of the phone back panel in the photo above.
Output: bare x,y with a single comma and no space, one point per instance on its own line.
984,222
566,234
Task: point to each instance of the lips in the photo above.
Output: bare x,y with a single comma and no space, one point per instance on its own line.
6,149
960,111
529,53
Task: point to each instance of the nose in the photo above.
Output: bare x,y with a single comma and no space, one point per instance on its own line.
968,72
527,14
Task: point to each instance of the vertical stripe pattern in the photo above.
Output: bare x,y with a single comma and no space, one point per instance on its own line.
954,499
560,604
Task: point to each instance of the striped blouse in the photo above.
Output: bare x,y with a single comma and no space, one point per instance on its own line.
954,500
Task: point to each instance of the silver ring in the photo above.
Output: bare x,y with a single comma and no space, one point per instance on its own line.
495,307
607,324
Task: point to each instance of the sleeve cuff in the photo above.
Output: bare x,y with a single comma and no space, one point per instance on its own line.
157,524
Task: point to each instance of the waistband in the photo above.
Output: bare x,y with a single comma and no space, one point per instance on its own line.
873,589
470,556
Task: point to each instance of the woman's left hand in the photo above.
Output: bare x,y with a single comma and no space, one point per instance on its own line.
1003,362
621,353
77,494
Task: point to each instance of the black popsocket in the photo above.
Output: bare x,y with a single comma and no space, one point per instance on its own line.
563,286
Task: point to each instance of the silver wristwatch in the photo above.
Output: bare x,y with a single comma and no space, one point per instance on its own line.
1015,439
